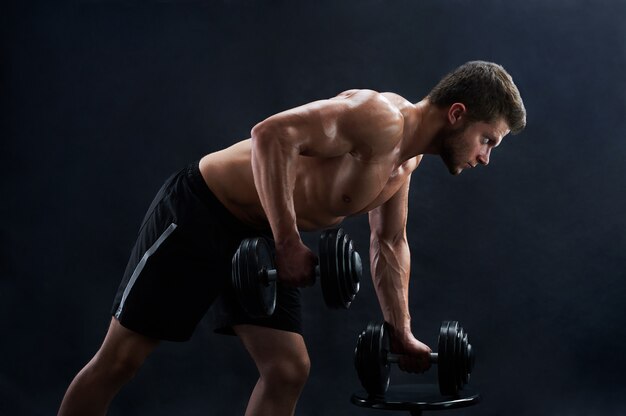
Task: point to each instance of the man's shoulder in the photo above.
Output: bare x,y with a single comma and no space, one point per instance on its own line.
373,102
369,94
396,100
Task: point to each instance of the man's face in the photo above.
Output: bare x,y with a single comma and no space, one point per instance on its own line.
470,145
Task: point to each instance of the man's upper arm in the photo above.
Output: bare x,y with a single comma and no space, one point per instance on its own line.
388,221
336,126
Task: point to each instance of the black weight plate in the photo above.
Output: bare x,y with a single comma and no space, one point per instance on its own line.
466,359
265,262
370,363
235,272
458,358
347,257
470,355
257,298
238,278
347,277
356,268
343,277
334,280
380,345
328,267
349,272
443,359
462,360
453,354
352,273
357,271
384,349
362,360
337,255
254,300
245,290
359,362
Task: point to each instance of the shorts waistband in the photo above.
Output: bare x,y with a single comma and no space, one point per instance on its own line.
202,190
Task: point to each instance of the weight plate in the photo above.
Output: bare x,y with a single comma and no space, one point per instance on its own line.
466,359
235,271
255,296
247,296
352,274
328,267
470,357
348,285
370,359
443,359
357,271
384,347
367,374
239,277
459,367
265,262
453,355
362,360
380,367
343,277
333,278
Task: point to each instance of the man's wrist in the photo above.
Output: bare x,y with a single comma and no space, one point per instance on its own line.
402,330
287,239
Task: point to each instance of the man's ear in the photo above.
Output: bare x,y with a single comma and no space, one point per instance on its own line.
456,113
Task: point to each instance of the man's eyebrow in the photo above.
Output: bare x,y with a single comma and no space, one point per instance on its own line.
495,140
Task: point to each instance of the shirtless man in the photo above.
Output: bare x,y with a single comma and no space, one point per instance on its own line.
304,169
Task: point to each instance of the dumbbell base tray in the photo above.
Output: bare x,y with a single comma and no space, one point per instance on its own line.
415,398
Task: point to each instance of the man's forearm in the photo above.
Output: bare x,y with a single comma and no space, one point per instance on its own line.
390,267
274,170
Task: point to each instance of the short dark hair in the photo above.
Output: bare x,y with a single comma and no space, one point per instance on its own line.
487,91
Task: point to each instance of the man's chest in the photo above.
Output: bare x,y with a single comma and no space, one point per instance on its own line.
349,187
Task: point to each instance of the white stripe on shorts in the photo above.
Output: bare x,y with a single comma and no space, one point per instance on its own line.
142,264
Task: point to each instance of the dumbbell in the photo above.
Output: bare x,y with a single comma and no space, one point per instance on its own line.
372,358
254,274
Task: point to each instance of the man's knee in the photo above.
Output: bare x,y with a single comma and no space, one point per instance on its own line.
121,366
292,371
123,352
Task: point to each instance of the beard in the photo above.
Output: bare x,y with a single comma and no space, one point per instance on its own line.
453,148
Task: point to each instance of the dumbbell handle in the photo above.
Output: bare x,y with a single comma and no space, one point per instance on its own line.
395,358
268,276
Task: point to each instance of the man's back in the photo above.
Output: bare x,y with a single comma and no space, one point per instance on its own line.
349,160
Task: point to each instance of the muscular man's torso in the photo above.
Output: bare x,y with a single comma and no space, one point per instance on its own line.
326,189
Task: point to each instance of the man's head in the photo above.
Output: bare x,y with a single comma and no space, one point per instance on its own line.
486,90
482,105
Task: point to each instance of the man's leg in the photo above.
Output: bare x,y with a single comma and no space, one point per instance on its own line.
283,363
116,362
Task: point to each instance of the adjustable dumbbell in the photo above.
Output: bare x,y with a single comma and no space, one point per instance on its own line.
254,274
455,358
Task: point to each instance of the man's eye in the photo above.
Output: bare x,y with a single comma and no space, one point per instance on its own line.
485,140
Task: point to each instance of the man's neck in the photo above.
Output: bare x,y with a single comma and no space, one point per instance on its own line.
422,128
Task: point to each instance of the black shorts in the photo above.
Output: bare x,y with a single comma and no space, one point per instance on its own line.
181,265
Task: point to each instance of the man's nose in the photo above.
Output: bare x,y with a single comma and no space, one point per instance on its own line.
483,159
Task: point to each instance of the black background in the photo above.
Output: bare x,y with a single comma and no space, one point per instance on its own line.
102,100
